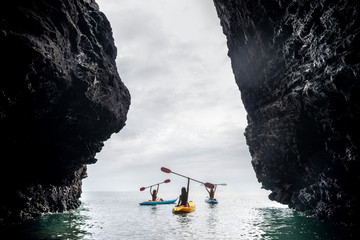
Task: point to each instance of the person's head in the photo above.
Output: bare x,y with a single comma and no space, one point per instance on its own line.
183,190
154,192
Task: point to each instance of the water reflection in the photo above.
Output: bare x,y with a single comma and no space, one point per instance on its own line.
184,229
68,225
212,220
120,217
212,206
183,218
283,223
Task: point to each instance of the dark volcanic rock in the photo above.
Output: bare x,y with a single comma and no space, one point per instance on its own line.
297,66
60,98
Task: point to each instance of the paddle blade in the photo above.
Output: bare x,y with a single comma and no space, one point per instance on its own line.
167,181
142,189
209,185
166,170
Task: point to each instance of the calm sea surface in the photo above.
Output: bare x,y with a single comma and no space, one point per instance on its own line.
118,215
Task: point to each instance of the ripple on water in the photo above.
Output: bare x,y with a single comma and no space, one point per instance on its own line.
119,216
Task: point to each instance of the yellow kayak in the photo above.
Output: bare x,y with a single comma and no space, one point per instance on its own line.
184,209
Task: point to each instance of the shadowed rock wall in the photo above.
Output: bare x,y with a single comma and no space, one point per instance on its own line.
297,66
60,98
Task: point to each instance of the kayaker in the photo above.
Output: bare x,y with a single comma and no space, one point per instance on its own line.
183,198
211,192
154,193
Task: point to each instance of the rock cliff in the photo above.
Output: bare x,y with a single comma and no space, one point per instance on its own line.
60,98
297,66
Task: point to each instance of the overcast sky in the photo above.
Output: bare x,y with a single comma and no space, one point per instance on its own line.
186,112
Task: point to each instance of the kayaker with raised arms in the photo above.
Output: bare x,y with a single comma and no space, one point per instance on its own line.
154,193
211,192
183,198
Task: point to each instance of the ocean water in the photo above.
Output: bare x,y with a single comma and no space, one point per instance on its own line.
118,215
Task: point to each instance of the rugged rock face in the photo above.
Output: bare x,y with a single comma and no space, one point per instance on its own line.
60,98
297,66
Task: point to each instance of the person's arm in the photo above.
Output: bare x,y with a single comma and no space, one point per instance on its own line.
215,188
207,190
150,191
157,190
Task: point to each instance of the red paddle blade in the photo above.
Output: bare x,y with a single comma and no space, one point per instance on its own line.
166,170
142,189
209,185
167,181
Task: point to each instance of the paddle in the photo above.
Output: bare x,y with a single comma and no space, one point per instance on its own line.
207,184
166,181
219,184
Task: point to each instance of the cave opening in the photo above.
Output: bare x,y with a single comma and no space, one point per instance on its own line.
186,107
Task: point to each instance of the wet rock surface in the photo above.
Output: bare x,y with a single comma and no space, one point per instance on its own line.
297,66
60,98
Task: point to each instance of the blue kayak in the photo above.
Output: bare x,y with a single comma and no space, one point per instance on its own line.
211,201
158,202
